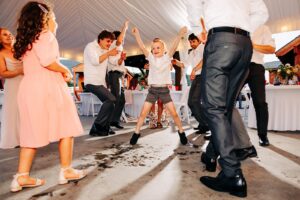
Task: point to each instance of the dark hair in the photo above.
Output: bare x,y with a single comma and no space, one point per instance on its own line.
1,29
193,37
30,25
116,34
105,34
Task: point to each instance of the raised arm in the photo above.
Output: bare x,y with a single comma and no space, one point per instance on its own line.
137,36
122,35
203,35
181,33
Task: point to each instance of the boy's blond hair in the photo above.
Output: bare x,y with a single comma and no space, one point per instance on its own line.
155,40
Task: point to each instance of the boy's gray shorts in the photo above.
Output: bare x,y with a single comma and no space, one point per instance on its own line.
162,93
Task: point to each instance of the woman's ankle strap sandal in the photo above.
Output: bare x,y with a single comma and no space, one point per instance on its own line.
78,173
15,185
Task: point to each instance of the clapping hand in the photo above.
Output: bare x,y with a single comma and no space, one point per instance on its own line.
126,24
123,55
113,52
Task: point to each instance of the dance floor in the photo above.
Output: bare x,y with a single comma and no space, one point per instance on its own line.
157,168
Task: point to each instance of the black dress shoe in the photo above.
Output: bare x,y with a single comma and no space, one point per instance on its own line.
202,129
183,138
111,132
245,153
263,141
117,125
207,137
98,132
236,185
134,138
210,164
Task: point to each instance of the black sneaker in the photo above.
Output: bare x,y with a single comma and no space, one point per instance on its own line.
263,141
183,138
134,138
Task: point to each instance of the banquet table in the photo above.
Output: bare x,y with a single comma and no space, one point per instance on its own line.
135,100
284,108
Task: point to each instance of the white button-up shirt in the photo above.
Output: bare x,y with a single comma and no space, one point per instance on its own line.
194,57
94,72
113,64
262,36
244,14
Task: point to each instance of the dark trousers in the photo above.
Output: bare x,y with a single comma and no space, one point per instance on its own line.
225,65
118,92
108,104
194,101
256,82
239,132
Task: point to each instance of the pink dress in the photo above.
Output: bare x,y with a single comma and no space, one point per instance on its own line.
47,110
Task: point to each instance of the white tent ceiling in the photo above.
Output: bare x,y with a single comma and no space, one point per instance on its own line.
80,21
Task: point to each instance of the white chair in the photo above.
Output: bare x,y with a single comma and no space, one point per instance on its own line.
183,104
89,101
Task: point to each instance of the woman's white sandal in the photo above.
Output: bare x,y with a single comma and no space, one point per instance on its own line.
63,180
15,185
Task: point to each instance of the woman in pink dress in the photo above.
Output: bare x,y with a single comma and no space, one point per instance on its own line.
47,110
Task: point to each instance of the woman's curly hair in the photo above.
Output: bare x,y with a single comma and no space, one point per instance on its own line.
30,25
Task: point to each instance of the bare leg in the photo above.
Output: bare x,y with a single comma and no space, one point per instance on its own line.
153,108
145,110
159,110
66,155
66,151
152,124
25,162
26,158
172,110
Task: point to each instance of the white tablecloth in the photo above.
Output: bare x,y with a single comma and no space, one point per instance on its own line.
284,108
1,102
135,100
89,105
